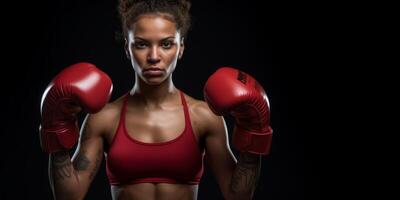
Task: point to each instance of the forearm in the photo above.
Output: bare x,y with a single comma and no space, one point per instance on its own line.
245,176
63,178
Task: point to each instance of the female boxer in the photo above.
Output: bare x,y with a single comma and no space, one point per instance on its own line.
154,137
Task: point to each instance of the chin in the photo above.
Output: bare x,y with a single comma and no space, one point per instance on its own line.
154,81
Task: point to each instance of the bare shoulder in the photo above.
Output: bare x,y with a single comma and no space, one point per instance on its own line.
202,114
104,120
199,107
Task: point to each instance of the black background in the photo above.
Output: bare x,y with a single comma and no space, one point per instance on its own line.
280,45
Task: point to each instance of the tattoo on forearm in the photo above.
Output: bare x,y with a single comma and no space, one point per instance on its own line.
82,162
97,164
62,166
245,176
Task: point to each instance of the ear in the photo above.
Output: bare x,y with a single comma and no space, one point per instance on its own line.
126,47
182,48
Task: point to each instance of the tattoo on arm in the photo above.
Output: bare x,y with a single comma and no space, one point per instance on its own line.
246,173
97,164
82,162
62,166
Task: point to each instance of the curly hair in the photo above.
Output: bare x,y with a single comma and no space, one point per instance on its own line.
178,10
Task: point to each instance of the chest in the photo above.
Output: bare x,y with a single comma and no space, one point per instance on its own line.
159,125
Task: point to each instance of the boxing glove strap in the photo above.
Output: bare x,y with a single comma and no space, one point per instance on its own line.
54,140
252,142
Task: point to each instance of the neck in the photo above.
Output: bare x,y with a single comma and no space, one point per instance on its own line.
153,95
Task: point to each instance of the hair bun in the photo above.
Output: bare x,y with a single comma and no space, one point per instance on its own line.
179,9
186,4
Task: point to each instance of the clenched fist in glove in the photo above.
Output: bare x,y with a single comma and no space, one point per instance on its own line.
77,87
231,91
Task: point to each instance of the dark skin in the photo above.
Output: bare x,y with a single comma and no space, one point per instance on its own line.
154,41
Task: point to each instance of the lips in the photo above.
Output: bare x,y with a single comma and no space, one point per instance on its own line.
153,71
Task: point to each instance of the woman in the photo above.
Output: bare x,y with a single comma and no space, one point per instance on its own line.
154,137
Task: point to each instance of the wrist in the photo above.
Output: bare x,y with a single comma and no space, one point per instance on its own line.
252,142
248,158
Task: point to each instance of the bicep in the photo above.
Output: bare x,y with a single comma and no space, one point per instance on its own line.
89,152
219,155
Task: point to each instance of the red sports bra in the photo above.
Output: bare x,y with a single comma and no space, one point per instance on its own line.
130,161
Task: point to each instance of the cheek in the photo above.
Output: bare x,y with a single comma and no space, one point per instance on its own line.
139,56
171,55
172,61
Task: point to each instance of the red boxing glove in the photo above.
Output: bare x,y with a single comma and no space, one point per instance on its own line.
82,85
232,91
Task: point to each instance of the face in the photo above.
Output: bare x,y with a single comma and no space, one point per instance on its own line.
154,46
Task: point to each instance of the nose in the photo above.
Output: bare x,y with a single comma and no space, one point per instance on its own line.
154,56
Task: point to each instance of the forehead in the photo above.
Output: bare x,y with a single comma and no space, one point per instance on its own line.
153,25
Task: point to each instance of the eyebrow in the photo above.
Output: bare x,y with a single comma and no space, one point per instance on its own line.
170,37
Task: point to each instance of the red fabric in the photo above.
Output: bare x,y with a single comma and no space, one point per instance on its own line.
176,161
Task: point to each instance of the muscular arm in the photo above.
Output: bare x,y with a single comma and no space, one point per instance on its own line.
245,175
236,178
70,178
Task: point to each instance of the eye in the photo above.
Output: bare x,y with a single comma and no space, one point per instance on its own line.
166,44
140,45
